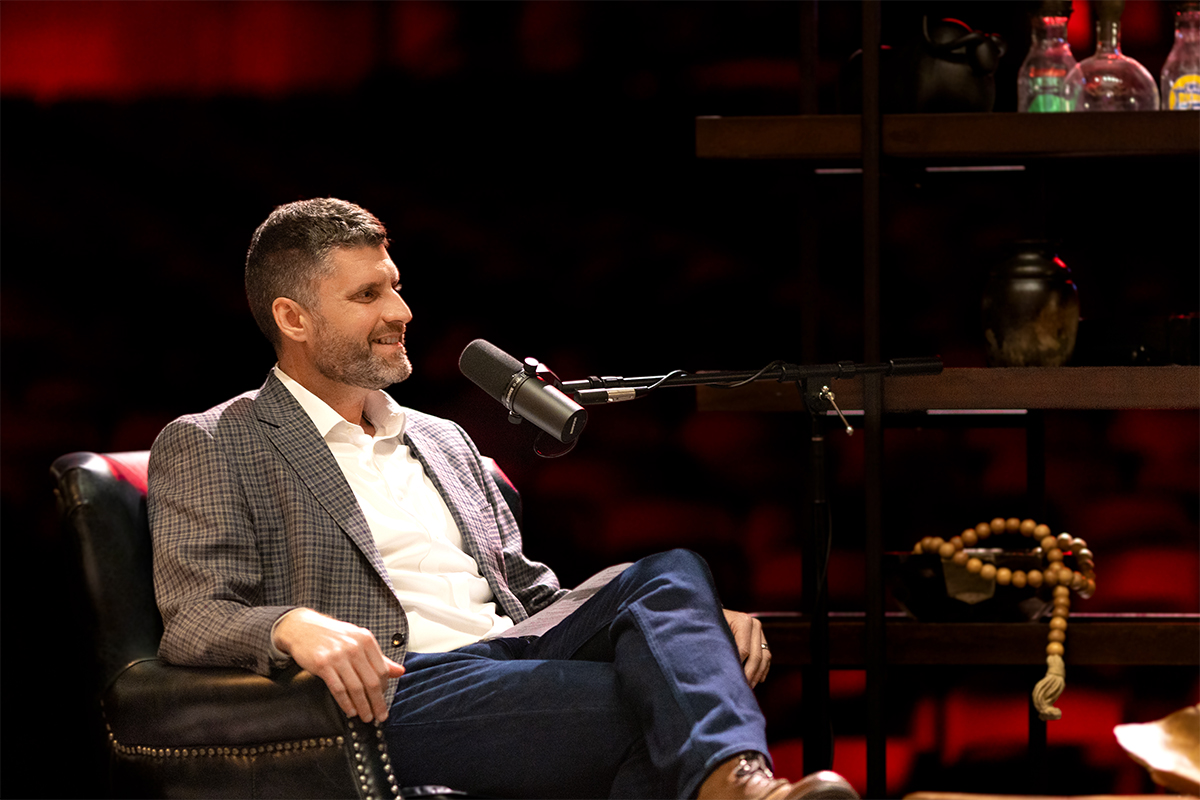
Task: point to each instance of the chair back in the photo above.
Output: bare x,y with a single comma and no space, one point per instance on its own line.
102,508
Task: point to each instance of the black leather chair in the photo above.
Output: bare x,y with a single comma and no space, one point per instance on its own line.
200,732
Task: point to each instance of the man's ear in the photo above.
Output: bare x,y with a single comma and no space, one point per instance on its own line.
293,319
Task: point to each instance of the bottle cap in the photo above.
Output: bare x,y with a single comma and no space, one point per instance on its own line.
1109,10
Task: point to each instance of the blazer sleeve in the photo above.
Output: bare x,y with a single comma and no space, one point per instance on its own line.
207,567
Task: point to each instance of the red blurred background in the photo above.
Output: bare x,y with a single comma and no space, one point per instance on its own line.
534,163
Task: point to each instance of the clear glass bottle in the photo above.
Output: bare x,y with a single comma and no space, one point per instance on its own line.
1180,81
1041,82
1109,80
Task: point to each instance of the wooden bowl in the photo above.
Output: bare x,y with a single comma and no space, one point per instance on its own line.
933,590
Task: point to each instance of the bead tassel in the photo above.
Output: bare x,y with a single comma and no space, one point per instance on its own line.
1049,688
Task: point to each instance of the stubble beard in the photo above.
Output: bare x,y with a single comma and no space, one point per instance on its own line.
354,363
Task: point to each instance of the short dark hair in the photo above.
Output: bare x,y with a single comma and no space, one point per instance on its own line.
289,253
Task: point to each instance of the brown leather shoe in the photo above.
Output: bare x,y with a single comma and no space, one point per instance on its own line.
746,777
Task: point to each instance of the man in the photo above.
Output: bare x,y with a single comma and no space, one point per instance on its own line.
316,521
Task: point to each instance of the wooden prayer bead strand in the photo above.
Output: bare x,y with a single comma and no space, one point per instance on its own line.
1053,548
1056,574
1058,621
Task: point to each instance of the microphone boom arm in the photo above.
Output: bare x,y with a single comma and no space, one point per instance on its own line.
611,389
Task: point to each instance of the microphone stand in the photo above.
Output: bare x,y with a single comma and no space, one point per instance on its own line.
814,383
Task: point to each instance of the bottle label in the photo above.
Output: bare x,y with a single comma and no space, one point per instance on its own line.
1185,93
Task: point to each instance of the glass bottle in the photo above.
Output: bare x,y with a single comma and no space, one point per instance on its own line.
1108,80
1180,81
1041,82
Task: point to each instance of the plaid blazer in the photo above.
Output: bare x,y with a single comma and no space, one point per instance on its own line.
251,517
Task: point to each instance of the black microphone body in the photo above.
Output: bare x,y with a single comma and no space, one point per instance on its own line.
520,389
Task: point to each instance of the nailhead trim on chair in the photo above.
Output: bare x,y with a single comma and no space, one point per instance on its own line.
272,747
362,770
205,752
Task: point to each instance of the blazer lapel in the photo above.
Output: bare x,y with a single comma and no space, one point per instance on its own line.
296,438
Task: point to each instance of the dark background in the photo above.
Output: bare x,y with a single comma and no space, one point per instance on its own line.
534,163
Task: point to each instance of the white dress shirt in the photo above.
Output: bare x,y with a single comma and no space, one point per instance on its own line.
448,602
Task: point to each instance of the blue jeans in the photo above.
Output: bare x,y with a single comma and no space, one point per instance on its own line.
639,693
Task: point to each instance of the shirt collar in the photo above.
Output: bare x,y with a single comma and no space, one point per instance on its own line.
380,409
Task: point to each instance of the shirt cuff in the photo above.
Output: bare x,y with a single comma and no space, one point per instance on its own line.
278,657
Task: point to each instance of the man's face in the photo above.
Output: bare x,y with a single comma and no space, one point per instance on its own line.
359,321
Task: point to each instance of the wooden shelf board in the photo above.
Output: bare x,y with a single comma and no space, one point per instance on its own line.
953,136
1093,639
1094,388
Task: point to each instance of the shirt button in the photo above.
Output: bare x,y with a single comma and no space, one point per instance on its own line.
397,640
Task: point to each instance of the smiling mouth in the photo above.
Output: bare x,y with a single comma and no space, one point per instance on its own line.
390,340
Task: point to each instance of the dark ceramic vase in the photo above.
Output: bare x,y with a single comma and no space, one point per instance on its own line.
1030,309
946,68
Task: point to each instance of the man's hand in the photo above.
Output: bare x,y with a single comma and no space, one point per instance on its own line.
751,646
345,656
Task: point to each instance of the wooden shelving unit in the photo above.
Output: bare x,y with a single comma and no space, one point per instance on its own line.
933,137
873,140
1080,388
1096,640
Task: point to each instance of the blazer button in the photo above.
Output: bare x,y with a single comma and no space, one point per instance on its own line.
397,640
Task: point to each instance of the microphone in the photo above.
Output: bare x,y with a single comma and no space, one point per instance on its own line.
522,390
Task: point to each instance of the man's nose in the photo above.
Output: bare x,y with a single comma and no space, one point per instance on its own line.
397,309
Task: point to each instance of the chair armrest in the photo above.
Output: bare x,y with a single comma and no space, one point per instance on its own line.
175,731
160,705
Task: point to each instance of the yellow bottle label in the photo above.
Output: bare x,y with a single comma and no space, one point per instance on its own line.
1185,92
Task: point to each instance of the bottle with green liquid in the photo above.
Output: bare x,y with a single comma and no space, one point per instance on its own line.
1041,82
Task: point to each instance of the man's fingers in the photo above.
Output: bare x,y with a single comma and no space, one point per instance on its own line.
748,636
371,669
345,656
764,663
347,688
338,690
764,654
760,657
358,689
